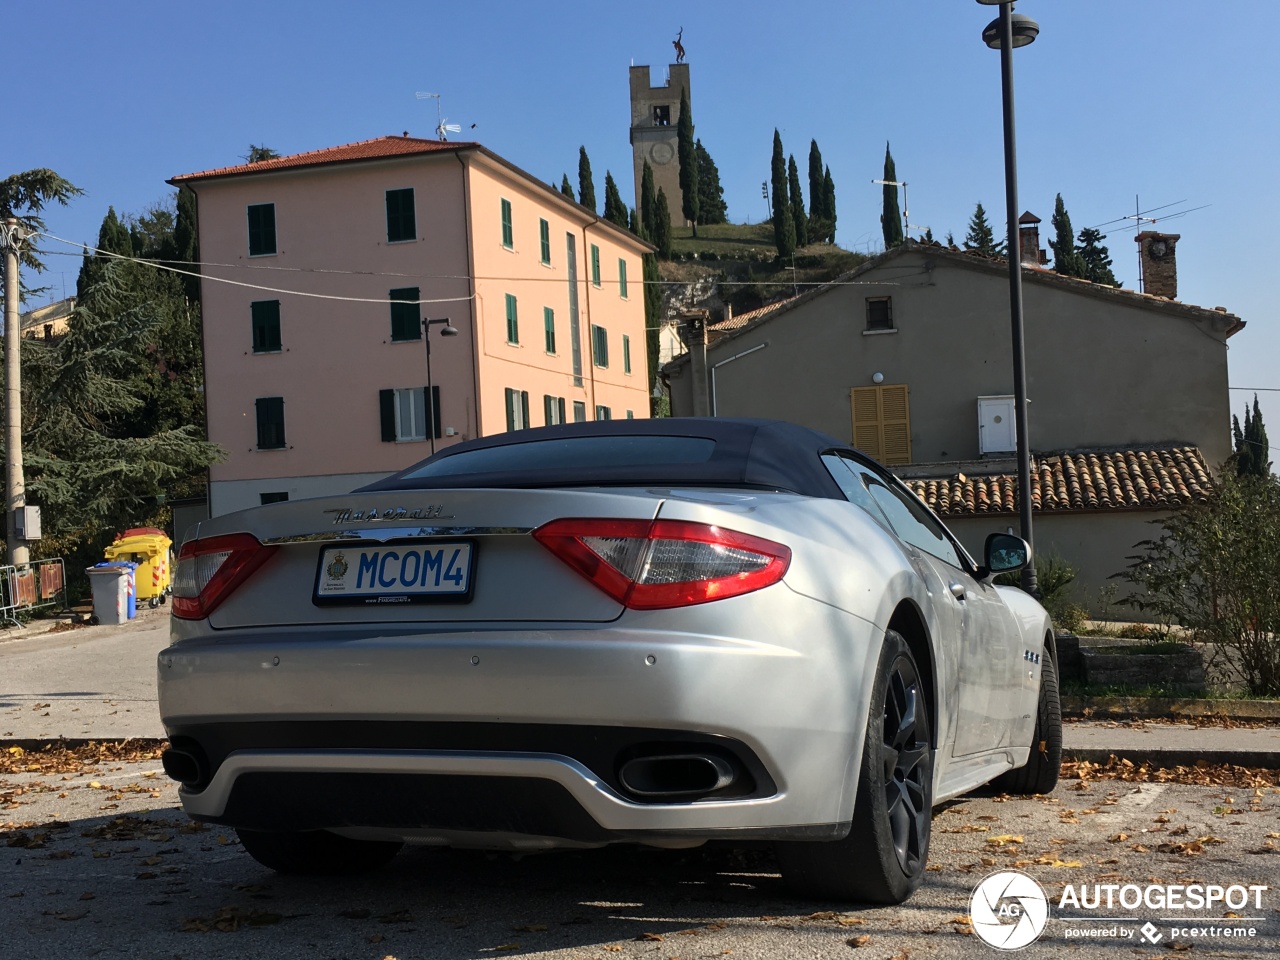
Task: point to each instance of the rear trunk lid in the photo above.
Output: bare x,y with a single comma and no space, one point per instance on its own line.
430,557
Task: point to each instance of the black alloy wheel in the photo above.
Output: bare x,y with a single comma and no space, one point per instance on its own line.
883,858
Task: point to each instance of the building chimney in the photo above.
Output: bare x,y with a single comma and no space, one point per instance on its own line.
1029,251
1159,266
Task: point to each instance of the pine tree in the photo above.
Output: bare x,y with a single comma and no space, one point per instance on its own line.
980,239
258,153
817,209
829,204
689,198
711,205
1096,258
796,199
565,188
23,196
648,203
1066,260
891,218
784,227
1251,447
586,187
615,211
662,225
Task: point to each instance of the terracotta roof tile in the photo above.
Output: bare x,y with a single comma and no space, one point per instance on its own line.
377,149
742,319
1122,480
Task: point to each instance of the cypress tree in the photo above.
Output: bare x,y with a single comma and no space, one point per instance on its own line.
689,205
586,188
662,226
817,196
1096,258
1066,260
615,211
829,204
652,321
633,223
648,203
711,205
784,227
796,198
980,239
186,240
113,238
565,188
1251,447
891,218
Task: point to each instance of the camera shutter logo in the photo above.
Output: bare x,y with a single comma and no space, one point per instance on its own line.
1009,910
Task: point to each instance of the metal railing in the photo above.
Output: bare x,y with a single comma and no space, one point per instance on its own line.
41,584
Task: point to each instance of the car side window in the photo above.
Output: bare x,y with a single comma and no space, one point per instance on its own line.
912,522
845,473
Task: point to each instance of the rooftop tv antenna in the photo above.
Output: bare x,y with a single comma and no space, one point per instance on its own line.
443,126
1139,217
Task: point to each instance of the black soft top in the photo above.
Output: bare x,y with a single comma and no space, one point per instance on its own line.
715,451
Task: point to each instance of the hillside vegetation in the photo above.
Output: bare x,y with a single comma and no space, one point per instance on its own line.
745,261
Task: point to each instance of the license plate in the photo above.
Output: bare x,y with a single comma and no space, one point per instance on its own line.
395,573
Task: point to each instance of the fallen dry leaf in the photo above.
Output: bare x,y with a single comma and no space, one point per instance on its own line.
861,941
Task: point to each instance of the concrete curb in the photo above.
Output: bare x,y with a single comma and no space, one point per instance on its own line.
1264,759
1118,707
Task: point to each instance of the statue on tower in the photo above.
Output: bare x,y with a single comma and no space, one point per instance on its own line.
679,46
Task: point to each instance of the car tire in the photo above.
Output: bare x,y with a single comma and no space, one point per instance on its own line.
883,858
1040,773
316,852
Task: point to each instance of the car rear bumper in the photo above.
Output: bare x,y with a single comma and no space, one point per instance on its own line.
293,724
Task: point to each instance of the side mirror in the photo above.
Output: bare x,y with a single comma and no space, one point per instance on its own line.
1003,553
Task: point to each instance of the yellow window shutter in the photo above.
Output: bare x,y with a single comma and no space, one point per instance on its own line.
882,422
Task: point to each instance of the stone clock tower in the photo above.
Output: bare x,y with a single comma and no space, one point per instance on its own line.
655,111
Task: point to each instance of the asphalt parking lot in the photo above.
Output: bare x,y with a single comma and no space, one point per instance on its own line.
98,860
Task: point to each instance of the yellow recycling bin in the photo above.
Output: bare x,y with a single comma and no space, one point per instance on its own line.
149,548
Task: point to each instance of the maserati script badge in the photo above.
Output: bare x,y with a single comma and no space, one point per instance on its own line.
432,511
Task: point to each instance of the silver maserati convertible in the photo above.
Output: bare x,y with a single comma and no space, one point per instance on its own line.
650,631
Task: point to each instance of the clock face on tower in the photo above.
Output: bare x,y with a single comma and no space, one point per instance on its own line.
662,153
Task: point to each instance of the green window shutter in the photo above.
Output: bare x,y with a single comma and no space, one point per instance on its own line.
511,408
599,346
387,414
406,316
508,234
548,409
595,265
513,321
549,328
631,415
603,413
560,410
544,236
401,220
266,325
262,229
622,278
626,354
270,412
524,409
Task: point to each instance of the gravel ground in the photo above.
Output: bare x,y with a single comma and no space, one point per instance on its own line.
97,860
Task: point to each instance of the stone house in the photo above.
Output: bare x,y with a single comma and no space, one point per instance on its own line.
909,358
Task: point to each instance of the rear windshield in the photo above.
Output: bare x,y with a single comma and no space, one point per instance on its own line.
571,453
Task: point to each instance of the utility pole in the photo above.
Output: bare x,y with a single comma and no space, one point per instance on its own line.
12,236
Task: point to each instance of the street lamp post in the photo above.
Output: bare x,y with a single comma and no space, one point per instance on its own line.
1007,31
12,237
446,330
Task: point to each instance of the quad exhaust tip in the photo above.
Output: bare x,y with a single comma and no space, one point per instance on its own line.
676,776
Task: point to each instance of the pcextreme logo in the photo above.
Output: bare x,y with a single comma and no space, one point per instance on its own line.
1009,910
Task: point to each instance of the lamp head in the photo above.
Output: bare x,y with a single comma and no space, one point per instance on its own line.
448,330
1025,30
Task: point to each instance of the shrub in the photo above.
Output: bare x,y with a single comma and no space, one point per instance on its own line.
1054,577
1215,570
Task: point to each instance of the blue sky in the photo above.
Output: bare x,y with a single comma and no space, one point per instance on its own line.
1164,100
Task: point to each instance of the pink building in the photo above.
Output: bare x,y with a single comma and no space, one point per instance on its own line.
320,270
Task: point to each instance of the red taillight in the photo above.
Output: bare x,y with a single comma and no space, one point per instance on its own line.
208,570
652,565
